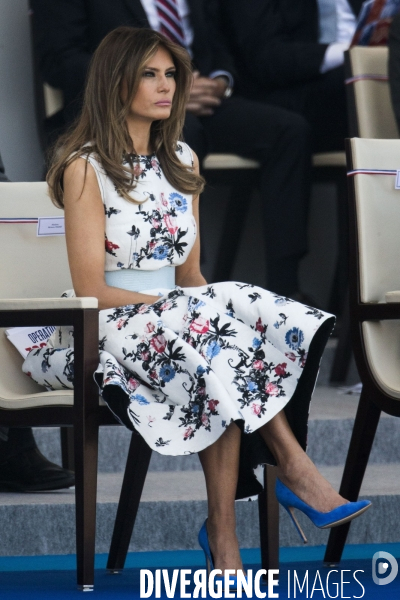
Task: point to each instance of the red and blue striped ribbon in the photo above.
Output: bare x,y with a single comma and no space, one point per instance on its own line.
371,172
18,220
366,77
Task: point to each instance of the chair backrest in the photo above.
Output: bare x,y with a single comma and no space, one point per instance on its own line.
378,217
370,106
377,210
30,266
53,99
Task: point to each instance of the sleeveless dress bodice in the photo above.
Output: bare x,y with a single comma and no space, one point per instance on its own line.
157,229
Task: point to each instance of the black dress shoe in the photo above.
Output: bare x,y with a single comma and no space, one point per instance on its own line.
30,471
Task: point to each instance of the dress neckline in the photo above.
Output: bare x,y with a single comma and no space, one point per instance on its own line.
146,156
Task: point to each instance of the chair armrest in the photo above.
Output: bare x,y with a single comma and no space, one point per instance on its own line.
379,311
80,313
47,303
392,296
26,312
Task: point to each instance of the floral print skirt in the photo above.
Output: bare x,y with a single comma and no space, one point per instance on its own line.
181,370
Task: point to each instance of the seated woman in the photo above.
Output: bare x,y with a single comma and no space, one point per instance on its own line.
225,370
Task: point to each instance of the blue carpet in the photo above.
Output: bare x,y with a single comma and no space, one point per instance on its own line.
53,577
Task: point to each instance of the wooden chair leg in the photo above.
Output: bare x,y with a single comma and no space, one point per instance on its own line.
135,474
86,435
67,447
362,438
340,281
268,511
232,230
86,448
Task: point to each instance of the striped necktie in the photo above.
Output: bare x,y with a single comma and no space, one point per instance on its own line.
170,21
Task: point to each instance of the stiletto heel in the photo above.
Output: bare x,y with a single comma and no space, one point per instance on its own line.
205,546
296,524
333,518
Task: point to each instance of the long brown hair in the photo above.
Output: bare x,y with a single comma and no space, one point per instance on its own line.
102,129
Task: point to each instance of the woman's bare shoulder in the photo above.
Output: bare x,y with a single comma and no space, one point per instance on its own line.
80,179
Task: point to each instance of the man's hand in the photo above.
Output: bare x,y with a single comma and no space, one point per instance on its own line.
205,94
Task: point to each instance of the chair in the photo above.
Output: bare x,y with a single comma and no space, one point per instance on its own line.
369,103
374,305
370,115
33,272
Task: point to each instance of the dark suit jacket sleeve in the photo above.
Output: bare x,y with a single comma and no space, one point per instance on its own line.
394,66
263,39
212,36
61,43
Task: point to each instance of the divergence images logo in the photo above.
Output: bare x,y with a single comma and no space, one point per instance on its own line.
385,559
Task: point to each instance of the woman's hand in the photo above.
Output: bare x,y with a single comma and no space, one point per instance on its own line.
84,228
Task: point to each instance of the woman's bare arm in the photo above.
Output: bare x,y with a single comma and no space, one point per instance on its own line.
84,228
189,274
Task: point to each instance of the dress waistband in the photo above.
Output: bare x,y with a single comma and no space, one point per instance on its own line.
138,280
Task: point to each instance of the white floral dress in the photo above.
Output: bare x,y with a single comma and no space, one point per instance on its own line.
181,370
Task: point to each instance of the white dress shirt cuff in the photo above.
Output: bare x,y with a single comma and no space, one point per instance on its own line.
334,56
226,74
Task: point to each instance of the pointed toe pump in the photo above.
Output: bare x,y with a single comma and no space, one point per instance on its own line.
205,546
333,518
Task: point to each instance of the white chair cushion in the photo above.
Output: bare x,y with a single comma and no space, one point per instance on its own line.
53,100
329,159
47,303
228,161
392,296
43,270
374,108
378,221
382,347
57,398
378,217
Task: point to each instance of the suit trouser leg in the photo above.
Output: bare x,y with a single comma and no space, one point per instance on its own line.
280,141
14,440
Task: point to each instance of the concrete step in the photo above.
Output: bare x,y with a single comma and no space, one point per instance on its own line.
172,510
330,426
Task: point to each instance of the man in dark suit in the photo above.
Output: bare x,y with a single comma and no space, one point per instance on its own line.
23,468
290,54
68,31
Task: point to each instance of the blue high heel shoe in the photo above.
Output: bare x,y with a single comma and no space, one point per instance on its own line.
335,517
203,541
205,546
